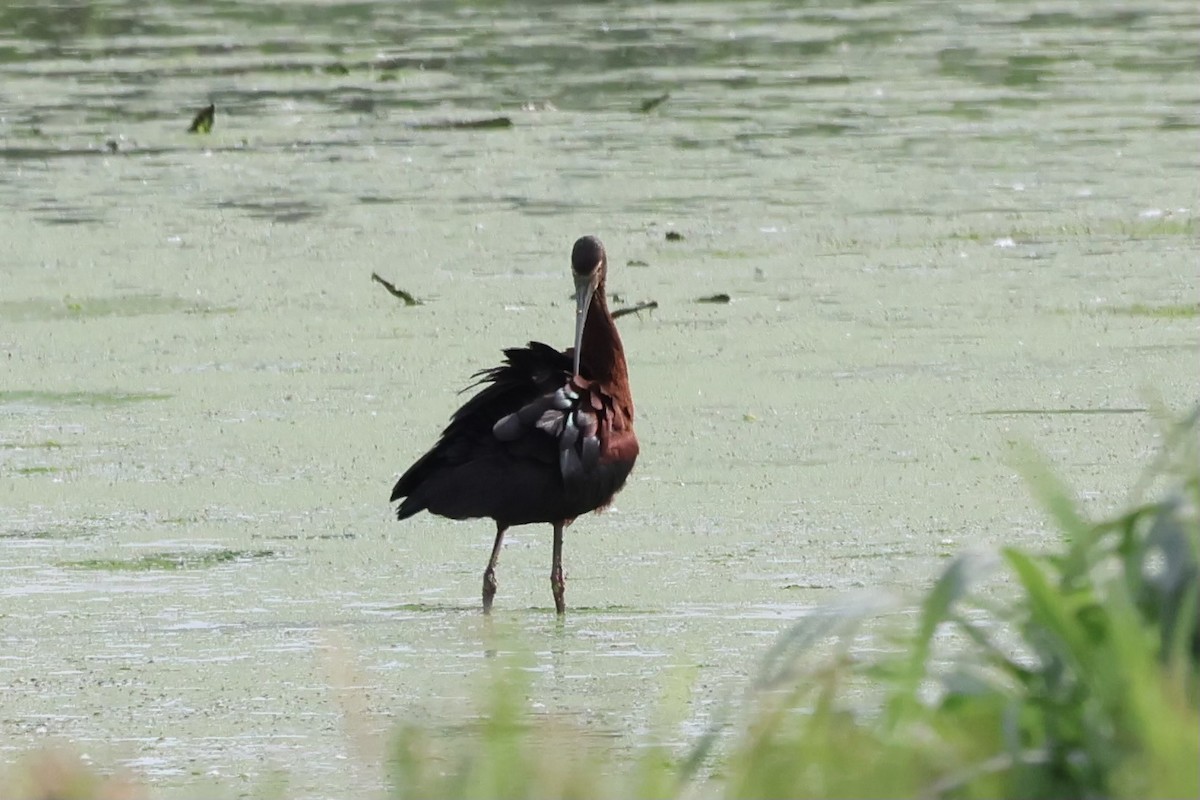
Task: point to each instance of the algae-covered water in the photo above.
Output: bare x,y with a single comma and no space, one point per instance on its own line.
942,231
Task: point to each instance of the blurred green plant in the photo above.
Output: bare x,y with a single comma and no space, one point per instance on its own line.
508,753
52,774
1081,681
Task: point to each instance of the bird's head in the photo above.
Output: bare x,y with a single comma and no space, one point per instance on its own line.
588,264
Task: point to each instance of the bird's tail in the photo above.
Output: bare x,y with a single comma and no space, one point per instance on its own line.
408,487
408,508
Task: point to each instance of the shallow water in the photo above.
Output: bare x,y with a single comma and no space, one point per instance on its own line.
943,232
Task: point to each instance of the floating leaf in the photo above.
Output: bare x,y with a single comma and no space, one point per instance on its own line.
203,121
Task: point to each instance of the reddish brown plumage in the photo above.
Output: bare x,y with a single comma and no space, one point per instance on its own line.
541,442
602,361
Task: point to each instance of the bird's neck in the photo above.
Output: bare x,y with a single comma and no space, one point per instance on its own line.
602,357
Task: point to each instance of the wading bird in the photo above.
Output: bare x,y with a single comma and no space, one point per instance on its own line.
549,437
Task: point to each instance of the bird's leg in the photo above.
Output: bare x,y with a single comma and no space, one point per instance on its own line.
489,574
556,574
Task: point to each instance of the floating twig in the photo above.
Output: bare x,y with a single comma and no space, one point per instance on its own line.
408,299
649,305
203,121
714,298
491,123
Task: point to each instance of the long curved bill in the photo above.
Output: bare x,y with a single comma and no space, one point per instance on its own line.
585,287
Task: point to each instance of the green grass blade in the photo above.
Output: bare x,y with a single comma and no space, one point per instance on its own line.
1049,609
955,581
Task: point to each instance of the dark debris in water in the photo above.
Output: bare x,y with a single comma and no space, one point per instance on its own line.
649,305
487,124
203,121
70,216
374,199
30,535
408,299
46,153
1176,122
715,298
275,209
674,236
654,102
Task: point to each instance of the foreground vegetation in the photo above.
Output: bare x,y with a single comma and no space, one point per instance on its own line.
1071,674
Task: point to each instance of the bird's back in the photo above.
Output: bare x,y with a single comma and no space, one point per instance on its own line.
513,471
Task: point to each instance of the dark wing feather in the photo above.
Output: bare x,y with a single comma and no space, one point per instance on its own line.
568,414
526,373
525,448
444,481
